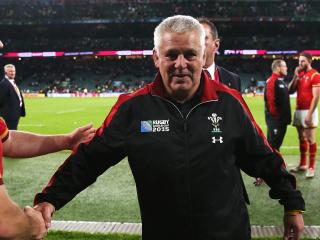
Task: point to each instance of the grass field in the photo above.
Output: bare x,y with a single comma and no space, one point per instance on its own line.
113,197
75,235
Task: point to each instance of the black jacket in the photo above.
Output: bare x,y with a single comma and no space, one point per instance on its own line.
230,79
186,169
233,81
277,102
9,102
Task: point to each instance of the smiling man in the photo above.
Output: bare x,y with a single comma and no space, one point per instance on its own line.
185,137
178,55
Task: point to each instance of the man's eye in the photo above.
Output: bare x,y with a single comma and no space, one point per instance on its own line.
171,56
190,55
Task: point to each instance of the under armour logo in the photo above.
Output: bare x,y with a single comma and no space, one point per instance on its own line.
214,139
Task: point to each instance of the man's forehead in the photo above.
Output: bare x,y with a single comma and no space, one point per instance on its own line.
10,68
174,36
180,49
302,58
180,41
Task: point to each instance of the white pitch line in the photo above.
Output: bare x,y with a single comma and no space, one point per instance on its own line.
265,126
70,111
290,147
136,228
32,125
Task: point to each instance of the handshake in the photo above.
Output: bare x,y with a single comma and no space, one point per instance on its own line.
39,219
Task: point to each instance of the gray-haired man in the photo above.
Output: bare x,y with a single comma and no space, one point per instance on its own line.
185,137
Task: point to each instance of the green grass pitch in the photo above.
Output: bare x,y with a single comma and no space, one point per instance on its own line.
58,235
113,197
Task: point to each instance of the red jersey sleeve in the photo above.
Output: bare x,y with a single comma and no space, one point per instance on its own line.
315,79
4,133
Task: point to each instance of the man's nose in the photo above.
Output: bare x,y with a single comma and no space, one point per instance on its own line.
180,62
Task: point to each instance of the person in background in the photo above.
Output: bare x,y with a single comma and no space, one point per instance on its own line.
11,99
306,82
277,104
214,71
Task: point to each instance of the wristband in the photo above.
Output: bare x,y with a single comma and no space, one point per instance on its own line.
293,212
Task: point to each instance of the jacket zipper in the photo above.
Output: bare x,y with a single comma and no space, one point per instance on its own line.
185,128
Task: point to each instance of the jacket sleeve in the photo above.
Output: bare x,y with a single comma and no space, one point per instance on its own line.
238,80
2,92
256,158
87,162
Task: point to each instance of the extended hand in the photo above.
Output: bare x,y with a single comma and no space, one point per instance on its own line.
38,228
297,71
308,120
80,135
47,210
293,226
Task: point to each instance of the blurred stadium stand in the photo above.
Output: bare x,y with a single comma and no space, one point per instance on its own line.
94,25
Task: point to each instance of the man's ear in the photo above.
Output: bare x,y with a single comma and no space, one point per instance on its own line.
217,43
204,58
155,58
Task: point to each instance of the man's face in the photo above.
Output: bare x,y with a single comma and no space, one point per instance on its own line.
212,45
283,69
180,60
11,73
303,63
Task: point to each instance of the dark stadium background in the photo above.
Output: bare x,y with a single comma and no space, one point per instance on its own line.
82,28
95,25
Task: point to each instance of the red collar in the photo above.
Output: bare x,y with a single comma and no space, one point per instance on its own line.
275,76
209,87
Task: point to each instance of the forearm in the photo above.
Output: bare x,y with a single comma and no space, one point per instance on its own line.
313,104
281,182
24,144
257,159
14,224
293,84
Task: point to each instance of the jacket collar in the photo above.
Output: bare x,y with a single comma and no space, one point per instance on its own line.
275,75
208,93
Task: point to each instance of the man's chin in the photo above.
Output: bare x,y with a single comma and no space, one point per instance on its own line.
181,94
181,88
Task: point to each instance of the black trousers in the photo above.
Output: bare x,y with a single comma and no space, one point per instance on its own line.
276,135
12,124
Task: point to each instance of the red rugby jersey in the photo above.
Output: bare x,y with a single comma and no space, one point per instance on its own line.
304,88
4,133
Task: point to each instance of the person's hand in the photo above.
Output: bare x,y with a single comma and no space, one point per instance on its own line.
293,226
47,210
258,182
38,228
1,44
308,120
80,135
297,71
